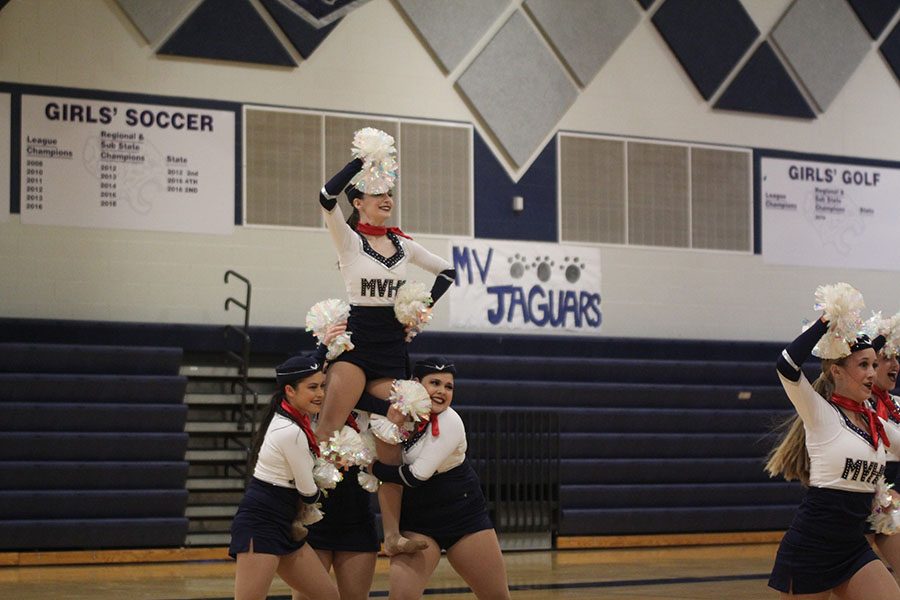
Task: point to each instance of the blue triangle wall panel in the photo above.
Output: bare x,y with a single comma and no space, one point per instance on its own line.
707,38
875,14
303,36
227,30
494,191
645,4
890,50
764,86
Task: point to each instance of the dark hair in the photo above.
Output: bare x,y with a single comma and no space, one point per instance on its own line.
352,194
260,434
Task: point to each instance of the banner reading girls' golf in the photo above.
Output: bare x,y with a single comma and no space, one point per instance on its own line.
526,286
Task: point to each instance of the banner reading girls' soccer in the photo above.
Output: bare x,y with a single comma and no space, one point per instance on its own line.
5,163
526,286
101,163
829,214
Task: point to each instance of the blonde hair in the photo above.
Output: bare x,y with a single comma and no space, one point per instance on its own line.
790,458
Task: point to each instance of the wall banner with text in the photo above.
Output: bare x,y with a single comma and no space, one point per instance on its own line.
99,163
826,214
5,159
527,287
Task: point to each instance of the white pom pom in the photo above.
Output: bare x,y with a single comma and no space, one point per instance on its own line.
411,307
842,305
889,328
323,316
311,513
345,448
326,475
885,516
384,430
411,399
377,151
368,482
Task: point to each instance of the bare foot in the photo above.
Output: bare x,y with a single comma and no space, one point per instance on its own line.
400,545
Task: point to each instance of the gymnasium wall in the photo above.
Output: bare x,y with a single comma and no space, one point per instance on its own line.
376,62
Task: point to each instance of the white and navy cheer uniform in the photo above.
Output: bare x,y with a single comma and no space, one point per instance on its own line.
349,521
892,469
283,475
442,497
825,544
372,282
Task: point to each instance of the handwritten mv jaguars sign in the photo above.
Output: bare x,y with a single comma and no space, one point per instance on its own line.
825,214
98,163
529,287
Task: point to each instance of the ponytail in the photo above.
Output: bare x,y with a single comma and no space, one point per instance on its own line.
260,434
353,219
790,458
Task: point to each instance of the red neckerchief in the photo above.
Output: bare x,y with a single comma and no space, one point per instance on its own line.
367,229
351,421
876,429
303,421
884,405
433,420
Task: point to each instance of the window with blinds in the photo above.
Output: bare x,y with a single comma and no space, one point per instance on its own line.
290,154
645,193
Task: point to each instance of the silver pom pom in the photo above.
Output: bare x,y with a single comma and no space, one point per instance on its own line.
885,516
842,305
368,482
411,399
311,513
384,430
411,307
326,475
324,315
377,151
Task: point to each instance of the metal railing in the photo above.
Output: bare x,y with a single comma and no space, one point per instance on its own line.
516,455
246,415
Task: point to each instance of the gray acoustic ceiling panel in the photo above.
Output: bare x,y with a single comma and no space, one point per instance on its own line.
585,34
154,19
824,42
451,29
519,88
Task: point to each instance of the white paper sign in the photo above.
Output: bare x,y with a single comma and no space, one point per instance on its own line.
525,286
829,215
5,159
95,163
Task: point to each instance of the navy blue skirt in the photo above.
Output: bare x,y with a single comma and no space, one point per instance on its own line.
379,340
349,523
446,507
891,472
264,517
825,544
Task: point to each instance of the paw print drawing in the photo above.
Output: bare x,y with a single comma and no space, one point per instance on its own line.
544,267
517,266
572,268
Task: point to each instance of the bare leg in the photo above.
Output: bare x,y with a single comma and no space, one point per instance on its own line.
889,548
326,556
410,572
253,575
478,560
344,385
872,582
303,571
354,571
390,495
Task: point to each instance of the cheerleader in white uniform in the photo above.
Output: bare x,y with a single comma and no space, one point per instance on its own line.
373,260
887,406
837,448
442,501
284,455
